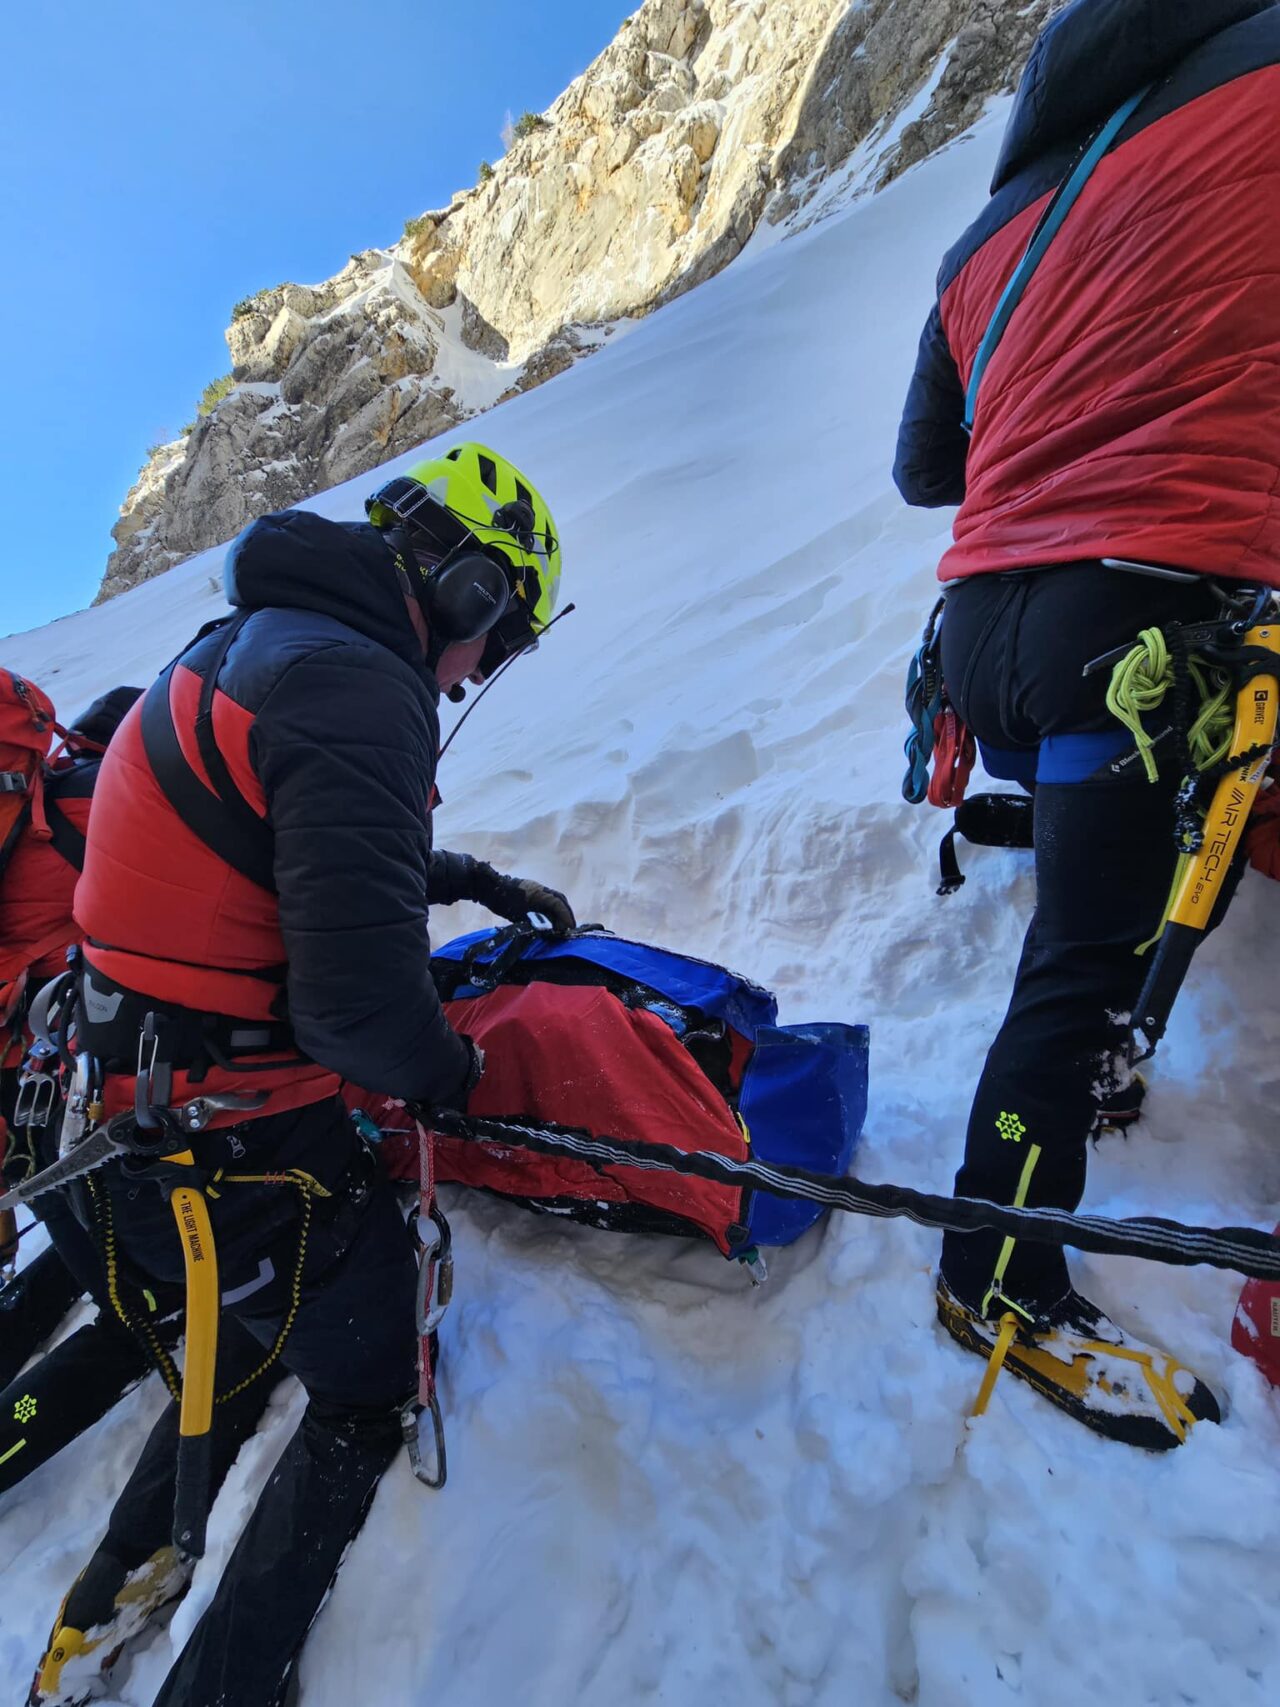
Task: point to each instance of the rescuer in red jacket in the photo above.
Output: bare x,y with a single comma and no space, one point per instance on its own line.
255,899
1124,457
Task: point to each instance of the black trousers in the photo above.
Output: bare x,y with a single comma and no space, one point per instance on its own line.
67,1390
352,1344
1014,647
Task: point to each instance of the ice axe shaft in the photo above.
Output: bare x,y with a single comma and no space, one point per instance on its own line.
1195,899
200,1260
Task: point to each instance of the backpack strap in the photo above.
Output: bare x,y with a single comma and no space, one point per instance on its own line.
1051,222
15,832
220,817
64,838
73,782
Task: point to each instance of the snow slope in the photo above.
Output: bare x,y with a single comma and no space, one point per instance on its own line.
664,1486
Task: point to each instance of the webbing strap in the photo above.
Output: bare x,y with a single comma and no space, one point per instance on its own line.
1245,1250
21,819
65,839
1051,222
220,817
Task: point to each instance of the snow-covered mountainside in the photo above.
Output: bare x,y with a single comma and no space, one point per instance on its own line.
666,1487
646,176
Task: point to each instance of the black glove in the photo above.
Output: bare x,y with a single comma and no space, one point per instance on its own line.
456,1102
461,877
515,897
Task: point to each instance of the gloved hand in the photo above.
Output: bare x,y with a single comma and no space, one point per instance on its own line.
514,897
457,1100
461,877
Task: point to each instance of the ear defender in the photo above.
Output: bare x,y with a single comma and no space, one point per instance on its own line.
464,597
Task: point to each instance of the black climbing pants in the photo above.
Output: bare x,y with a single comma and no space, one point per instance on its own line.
70,1387
352,1343
1013,649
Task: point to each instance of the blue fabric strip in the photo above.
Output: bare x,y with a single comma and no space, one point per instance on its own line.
1011,764
1077,758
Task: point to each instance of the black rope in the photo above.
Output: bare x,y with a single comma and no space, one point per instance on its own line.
1244,1250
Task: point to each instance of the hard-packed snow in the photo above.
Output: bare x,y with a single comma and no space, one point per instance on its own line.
665,1486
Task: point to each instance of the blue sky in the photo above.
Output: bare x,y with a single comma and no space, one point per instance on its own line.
162,160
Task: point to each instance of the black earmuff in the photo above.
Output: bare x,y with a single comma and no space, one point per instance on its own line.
464,597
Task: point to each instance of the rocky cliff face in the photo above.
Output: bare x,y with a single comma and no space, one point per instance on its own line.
645,177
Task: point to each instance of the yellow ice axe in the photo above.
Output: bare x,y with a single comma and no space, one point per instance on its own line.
152,1088
1204,872
195,1419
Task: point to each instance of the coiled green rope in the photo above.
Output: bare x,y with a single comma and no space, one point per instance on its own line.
1139,684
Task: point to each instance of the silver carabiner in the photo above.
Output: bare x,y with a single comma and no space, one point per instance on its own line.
433,1473
435,1269
80,1098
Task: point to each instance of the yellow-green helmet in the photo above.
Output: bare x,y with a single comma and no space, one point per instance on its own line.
490,499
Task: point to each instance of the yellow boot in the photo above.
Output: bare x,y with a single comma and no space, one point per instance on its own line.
107,1606
1083,1363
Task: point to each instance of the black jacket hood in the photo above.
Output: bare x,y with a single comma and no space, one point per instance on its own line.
344,570
1095,55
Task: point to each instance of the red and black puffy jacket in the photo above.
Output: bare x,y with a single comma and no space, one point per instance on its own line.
324,713
1132,408
39,884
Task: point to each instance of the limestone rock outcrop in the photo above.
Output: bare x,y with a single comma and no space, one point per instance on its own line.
648,175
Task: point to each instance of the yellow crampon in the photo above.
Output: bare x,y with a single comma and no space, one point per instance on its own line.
161,1579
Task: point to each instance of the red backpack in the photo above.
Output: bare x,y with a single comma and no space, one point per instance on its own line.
27,729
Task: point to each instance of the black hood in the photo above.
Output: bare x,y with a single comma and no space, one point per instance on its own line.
300,561
1095,55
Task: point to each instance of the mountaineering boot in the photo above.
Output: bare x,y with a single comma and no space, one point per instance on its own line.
108,1605
1087,1366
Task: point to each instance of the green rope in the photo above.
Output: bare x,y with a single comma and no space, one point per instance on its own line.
1139,684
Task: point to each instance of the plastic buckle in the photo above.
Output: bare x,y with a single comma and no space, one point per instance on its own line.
433,1473
755,1265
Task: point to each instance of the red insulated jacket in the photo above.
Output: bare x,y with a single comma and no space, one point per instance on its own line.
40,879
1132,408
280,917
